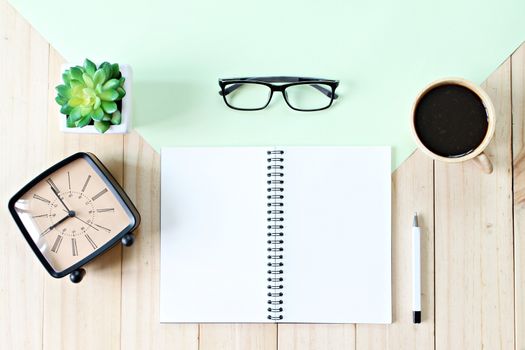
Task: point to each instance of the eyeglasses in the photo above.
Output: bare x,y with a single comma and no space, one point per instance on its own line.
301,94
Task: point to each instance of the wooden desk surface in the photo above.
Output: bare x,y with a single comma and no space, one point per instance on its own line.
473,246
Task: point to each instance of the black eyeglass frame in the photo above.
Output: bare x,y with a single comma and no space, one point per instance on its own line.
231,84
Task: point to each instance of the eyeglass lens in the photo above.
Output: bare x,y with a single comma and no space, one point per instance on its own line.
248,96
308,96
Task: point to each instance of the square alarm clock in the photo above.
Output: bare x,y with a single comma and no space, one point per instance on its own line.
72,213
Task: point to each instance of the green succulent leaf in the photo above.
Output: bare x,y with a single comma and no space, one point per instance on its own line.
61,100
75,114
122,80
70,123
66,76
115,70
106,118
89,67
97,114
109,107
97,103
63,90
107,70
116,118
85,110
102,126
111,84
76,84
106,67
100,77
76,73
121,93
83,121
87,80
108,95
66,109
76,101
89,92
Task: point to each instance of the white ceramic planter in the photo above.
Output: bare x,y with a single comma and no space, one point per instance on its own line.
125,125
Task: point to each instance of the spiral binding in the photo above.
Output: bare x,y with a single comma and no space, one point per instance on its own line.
275,233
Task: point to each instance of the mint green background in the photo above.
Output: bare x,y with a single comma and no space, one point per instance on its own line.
383,52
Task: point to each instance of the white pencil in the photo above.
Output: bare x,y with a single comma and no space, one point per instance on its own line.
416,271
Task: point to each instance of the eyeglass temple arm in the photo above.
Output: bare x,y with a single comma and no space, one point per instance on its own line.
324,91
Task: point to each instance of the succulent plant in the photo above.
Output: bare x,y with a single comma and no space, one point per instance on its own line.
91,94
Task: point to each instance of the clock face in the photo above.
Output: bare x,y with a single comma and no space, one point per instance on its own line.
71,213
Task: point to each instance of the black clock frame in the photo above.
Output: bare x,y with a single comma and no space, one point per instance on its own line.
75,271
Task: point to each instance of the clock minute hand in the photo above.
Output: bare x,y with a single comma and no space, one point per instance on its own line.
94,228
60,199
76,217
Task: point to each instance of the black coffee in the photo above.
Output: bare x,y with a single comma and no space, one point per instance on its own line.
451,120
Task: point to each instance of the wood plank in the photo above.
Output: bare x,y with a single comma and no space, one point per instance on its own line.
316,336
23,121
87,315
141,328
518,150
474,240
412,191
238,337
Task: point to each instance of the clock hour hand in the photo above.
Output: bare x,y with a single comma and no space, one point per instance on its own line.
70,214
60,199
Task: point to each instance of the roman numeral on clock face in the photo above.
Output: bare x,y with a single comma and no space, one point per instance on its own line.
53,186
93,244
40,198
74,246
98,195
56,245
86,183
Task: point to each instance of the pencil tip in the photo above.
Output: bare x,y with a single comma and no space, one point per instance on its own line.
415,224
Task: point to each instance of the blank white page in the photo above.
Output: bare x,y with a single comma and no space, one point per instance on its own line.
337,235
213,235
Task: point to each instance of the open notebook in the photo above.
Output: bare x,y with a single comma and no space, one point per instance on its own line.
275,234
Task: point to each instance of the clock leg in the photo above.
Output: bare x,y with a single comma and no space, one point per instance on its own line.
77,275
128,240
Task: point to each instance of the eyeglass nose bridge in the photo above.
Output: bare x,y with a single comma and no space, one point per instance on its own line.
279,88
272,92
282,89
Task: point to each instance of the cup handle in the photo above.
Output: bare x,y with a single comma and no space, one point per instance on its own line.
484,163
